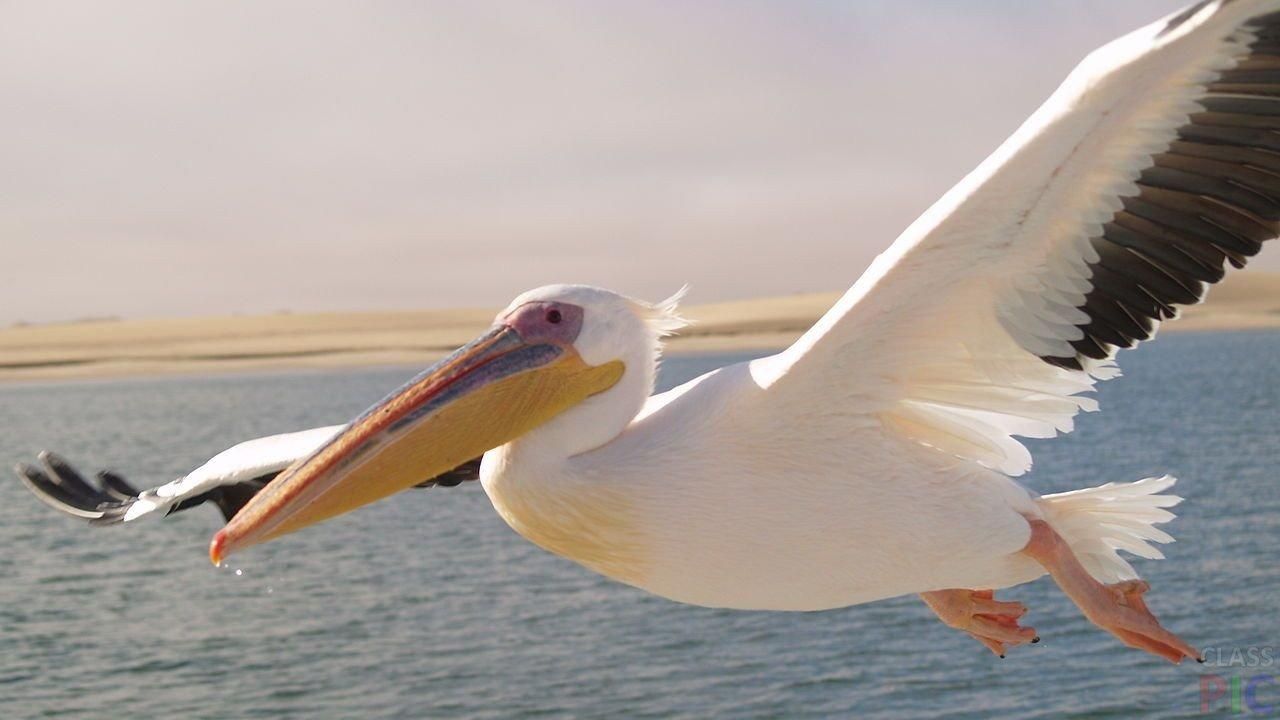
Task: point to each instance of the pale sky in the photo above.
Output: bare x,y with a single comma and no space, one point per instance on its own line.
213,157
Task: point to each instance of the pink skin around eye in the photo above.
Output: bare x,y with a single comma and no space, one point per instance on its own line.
546,322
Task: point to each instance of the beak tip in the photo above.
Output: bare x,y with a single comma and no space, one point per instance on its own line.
217,548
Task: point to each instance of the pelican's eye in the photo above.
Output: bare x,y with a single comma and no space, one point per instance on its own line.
546,321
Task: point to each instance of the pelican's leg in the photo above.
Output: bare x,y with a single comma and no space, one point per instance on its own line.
991,622
1118,608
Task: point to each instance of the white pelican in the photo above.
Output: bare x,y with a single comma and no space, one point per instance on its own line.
875,456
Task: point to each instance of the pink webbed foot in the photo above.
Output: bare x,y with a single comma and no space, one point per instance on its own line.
994,623
1125,615
1118,608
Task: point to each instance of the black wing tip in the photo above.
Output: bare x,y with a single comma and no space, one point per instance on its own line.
59,485
115,485
48,490
58,465
32,476
109,500
113,513
1066,363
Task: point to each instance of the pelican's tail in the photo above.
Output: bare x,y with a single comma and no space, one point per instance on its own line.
1097,522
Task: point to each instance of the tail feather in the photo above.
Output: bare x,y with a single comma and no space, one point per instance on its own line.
1097,522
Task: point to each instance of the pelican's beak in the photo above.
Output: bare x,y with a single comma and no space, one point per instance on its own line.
486,394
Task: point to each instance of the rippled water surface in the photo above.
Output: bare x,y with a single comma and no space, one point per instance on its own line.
428,606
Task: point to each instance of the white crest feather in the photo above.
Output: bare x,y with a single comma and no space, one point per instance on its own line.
664,316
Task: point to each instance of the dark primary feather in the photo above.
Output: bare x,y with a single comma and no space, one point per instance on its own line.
1212,198
59,485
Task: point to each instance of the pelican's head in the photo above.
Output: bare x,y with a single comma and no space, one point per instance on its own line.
553,349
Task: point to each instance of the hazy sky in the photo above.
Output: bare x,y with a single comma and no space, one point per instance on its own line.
175,158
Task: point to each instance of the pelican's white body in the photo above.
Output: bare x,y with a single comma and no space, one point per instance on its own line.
740,505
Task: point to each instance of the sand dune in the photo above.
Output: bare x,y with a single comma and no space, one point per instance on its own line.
109,348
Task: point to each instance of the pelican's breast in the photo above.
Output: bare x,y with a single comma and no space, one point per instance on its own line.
587,522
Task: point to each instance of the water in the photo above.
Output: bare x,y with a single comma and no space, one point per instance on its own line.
428,606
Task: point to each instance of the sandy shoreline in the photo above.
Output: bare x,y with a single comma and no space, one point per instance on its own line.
119,348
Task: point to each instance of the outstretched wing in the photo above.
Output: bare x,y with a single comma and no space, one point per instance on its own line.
109,501
228,480
1155,164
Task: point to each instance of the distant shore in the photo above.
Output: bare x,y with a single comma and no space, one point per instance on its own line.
104,348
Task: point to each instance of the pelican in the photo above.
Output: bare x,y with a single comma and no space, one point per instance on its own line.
876,456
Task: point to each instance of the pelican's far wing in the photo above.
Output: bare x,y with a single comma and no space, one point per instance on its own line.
228,480
1153,166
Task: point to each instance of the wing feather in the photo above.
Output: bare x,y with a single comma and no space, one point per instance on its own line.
1154,166
228,480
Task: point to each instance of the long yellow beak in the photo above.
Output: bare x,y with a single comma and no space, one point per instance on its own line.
486,394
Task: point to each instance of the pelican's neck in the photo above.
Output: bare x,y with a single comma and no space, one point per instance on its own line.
592,423
532,484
